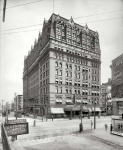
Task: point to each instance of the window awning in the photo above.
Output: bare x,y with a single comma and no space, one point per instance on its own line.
68,101
57,111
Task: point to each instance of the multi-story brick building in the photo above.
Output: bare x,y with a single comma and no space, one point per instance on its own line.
63,66
117,77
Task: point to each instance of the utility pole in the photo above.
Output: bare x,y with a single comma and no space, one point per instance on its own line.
4,10
94,116
7,112
81,125
16,105
2,110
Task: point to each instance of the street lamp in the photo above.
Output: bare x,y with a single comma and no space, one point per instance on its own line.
94,115
81,125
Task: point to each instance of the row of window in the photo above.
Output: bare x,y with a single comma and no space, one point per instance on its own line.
44,74
78,68
45,82
76,75
44,67
84,45
76,91
76,82
71,59
83,53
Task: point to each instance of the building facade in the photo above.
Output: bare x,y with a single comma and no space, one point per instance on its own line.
117,77
105,97
19,100
63,67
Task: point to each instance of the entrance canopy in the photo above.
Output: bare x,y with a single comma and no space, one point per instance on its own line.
57,111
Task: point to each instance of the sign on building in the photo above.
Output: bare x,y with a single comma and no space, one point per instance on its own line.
16,129
16,121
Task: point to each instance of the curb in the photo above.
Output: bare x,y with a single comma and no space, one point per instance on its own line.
108,142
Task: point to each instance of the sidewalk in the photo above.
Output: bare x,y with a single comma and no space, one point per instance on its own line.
106,136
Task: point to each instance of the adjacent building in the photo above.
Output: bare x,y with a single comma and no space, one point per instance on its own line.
105,97
117,77
18,101
62,68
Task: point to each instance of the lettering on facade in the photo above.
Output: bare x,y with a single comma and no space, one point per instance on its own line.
16,129
16,121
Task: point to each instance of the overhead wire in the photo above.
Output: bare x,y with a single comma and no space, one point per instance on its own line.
23,4
98,14
73,18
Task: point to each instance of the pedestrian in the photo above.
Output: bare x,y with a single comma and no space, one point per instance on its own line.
91,124
52,117
106,127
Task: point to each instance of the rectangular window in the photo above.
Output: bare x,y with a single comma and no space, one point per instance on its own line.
75,91
70,91
60,64
67,90
56,89
66,73
78,83
56,71
66,65
60,72
78,91
70,82
79,75
60,81
56,64
66,82
56,80
75,75
70,66
60,89
70,74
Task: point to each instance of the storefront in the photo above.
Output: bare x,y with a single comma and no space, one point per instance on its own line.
87,110
117,116
56,112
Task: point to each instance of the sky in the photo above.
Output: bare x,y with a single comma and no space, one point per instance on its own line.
24,19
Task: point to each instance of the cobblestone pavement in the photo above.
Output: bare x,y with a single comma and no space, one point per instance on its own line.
72,142
63,135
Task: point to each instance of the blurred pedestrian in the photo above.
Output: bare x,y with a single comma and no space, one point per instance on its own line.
91,124
52,117
106,126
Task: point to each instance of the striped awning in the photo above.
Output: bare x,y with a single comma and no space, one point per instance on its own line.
68,101
57,111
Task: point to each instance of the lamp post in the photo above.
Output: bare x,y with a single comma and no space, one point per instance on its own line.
94,115
81,125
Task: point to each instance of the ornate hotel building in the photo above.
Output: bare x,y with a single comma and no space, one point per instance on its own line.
63,67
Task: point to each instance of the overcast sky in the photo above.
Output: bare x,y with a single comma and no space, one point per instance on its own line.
103,16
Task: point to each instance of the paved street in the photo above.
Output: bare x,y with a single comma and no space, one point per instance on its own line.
63,134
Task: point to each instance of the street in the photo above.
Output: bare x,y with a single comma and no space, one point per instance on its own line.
64,134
